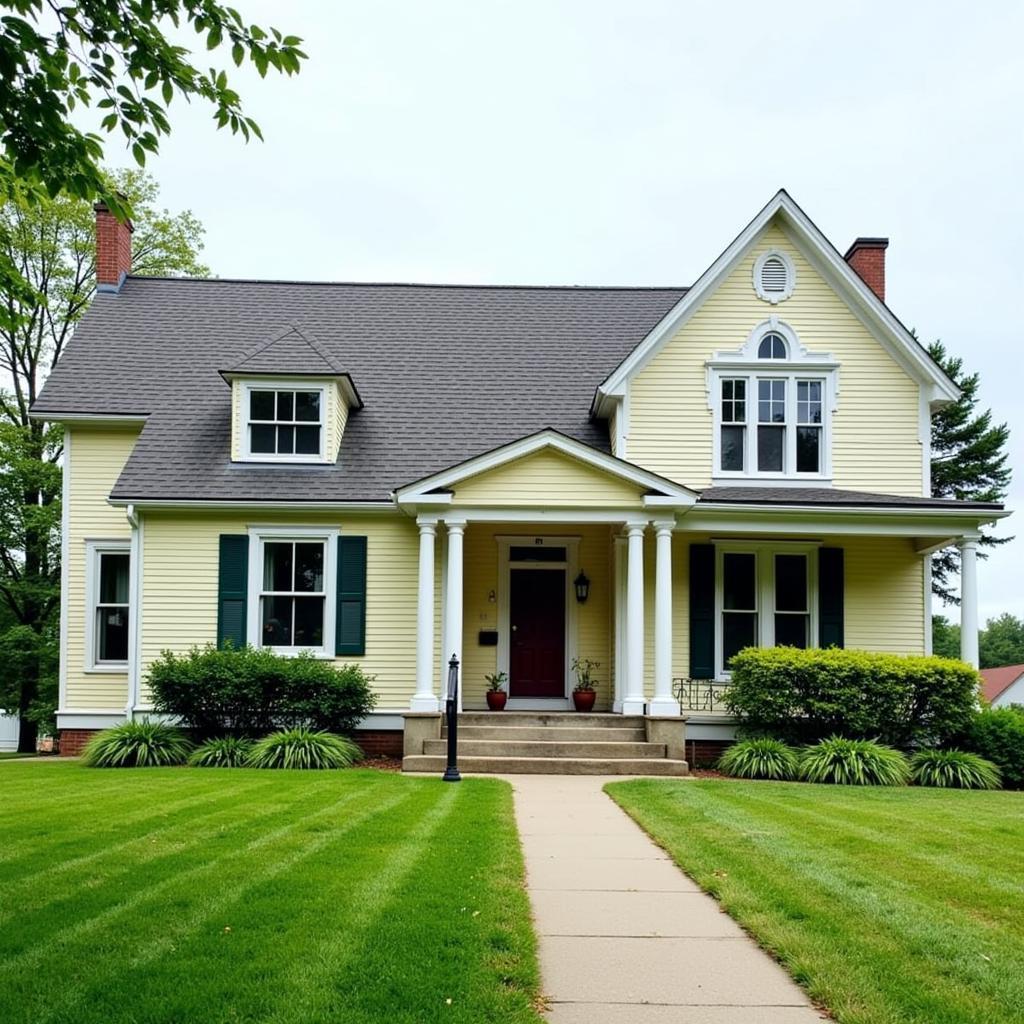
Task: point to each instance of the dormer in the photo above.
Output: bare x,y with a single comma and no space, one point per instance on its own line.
289,402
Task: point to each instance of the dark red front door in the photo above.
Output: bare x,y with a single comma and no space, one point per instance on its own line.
537,618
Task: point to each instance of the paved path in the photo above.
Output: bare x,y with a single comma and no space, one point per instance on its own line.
625,936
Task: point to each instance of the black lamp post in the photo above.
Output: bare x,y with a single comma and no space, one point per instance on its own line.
451,771
582,585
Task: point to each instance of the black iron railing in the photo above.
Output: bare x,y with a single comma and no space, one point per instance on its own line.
700,694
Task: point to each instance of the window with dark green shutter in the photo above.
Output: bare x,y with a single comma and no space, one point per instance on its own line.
830,598
350,629
232,590
702,611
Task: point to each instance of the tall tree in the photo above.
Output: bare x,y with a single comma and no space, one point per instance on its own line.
945,637
969,462
1001,642
60,60
52,245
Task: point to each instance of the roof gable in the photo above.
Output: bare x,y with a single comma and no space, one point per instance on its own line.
290,352
827,262
996,681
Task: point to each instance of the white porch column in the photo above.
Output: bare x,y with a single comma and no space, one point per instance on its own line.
663,702
969,602
620,624
633,700
453,603
425,699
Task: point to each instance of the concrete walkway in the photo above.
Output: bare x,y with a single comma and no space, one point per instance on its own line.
625,937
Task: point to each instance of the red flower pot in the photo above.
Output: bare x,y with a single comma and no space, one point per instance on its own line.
584,699
496,700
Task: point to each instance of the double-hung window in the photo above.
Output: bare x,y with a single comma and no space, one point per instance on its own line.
285,423
292,589
766,596
109,615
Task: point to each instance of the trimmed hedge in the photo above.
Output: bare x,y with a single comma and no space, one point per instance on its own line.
997,734
802,696
247,691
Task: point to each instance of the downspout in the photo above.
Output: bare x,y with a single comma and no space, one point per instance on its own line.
134,606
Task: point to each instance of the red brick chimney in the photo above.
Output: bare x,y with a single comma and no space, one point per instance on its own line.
867,257
113,249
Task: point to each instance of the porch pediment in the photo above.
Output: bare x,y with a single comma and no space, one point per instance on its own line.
547,470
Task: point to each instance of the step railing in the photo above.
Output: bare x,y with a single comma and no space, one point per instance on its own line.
706,695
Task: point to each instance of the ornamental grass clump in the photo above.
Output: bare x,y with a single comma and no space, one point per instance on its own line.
143,744
954,769
760,759
303,748
222,752
846,762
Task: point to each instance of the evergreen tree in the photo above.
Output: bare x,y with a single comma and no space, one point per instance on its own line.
969,462
945,637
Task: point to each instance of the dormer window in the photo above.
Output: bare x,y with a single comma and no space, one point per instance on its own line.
284,424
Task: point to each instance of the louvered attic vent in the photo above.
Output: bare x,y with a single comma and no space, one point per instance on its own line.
773,276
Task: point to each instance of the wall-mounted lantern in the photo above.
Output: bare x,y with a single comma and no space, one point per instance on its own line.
582,585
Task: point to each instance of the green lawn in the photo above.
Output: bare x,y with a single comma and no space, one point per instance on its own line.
901,905
9,755
217,895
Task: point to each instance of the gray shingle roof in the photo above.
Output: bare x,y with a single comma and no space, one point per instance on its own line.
444,372
293,351
826,496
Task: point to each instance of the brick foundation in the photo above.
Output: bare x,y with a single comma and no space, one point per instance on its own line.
377,742
704,753
73,741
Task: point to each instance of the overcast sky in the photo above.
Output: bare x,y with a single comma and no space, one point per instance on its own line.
627,143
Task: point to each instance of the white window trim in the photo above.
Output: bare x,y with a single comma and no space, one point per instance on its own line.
248,455
94,549
505,569
801,364
765,552
258,537
774,297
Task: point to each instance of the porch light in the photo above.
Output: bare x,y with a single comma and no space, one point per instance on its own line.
582,585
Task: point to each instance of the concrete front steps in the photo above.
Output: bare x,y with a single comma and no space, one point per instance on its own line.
554,743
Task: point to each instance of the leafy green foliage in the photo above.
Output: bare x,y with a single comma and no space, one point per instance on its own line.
802,696
51,242
303,748
954,769
945,637
248,690
222,752
761,758
1001,642
997,734
126,61
969,462
853,763
136,745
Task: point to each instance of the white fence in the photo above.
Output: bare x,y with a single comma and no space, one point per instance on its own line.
8,731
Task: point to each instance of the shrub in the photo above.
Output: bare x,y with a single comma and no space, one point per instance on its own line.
997,734
303,748
136,745
222,752
247,691
760,759
954,769
803,696
853,763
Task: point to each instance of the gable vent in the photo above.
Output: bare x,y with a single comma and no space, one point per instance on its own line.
773,275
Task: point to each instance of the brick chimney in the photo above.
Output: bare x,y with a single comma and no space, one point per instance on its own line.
113,249
867,257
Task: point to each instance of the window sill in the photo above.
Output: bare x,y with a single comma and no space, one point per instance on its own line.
272,460
770,480
320,653
118,669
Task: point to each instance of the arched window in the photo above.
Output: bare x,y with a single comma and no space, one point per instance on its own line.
772,346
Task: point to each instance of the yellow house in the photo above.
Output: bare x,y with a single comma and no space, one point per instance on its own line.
646,478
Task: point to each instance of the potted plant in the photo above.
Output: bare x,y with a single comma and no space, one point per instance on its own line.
583,694
497,695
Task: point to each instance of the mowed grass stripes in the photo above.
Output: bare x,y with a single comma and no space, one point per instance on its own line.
887,905
154,896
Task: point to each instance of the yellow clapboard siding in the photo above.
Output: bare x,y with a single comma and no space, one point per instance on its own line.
547,478
179,605
876,444
93,465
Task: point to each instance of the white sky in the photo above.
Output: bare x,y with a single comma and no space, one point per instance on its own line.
596,143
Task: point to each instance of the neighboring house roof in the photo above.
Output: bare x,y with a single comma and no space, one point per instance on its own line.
998,680
827,496
444,372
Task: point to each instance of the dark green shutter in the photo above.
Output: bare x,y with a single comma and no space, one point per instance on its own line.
350,628
232,589
702,611
830,597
